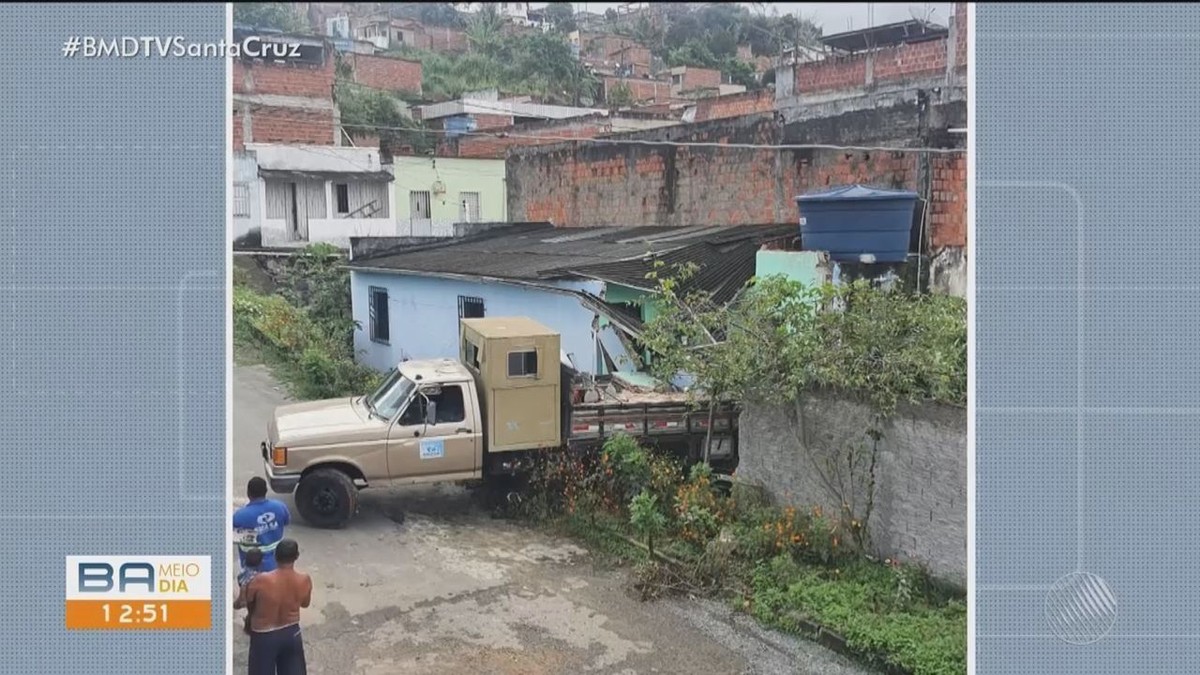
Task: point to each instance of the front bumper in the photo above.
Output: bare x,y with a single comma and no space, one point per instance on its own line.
281,483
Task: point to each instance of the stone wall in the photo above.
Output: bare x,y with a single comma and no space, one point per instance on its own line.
920,512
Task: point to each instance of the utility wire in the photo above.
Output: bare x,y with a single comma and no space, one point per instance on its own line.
634,141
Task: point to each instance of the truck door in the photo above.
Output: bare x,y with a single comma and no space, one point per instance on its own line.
436,435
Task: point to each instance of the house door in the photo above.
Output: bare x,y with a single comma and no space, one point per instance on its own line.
292,212
420,213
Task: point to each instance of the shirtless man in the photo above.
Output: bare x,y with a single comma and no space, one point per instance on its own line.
276,647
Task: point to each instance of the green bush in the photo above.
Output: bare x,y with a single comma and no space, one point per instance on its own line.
628,464
311,360
647,518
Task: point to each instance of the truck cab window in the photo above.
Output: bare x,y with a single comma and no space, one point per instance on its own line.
414,414
450,407
523,364
448,402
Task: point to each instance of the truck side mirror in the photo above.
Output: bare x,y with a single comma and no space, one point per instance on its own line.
430,412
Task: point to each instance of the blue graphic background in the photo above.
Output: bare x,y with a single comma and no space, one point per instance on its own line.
1087,357
112,324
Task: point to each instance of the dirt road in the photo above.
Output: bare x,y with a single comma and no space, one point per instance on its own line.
422,582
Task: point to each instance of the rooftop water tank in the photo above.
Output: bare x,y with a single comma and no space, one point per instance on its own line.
856,223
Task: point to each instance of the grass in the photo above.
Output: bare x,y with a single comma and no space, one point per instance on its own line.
925,635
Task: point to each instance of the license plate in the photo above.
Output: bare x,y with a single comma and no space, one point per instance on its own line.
246,537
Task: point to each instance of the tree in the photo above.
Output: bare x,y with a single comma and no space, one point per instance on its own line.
373,111
781,340
485,30
620,96
562,16
277,15
545,64
440,14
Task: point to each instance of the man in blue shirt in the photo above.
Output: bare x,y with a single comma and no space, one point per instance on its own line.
259,524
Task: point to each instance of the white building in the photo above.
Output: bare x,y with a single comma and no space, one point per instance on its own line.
295,195
515,11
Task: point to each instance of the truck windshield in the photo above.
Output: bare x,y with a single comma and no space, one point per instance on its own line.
391,395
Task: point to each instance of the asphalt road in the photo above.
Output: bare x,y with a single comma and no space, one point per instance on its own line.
422,582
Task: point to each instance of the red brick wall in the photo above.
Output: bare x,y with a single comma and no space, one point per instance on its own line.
278,124
239,142
911,60
700,78
580,185
735,105
495,148
271,124
948,208
889,65
492,121
601,46
382,72
284,80
638,57
848,72
642,90
446,40
416,39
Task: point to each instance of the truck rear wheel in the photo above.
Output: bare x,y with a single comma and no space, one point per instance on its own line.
327,498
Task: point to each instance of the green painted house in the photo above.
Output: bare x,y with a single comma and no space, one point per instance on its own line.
434,193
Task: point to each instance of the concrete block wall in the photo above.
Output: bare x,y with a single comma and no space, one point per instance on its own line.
920,512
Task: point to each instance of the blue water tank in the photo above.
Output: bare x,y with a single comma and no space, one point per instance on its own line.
853,221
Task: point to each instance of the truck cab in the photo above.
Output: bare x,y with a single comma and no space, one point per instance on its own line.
422,424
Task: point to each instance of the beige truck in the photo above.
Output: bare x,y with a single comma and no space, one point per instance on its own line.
480,417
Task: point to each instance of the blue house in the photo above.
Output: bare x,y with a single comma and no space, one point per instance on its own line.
589,284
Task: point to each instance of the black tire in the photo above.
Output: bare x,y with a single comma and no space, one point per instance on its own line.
327,498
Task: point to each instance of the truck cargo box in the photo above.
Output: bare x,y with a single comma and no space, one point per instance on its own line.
516,362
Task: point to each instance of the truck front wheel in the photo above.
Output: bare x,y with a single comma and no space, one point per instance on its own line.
327,498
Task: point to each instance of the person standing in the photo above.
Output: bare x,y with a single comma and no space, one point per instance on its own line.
276,646
250,570
259,524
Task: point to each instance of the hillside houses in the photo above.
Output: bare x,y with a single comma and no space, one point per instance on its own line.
511,157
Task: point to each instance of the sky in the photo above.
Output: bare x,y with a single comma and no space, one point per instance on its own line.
832,17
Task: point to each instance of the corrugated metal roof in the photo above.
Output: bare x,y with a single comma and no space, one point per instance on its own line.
900,32
327,175
532,251
722,269
468,106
